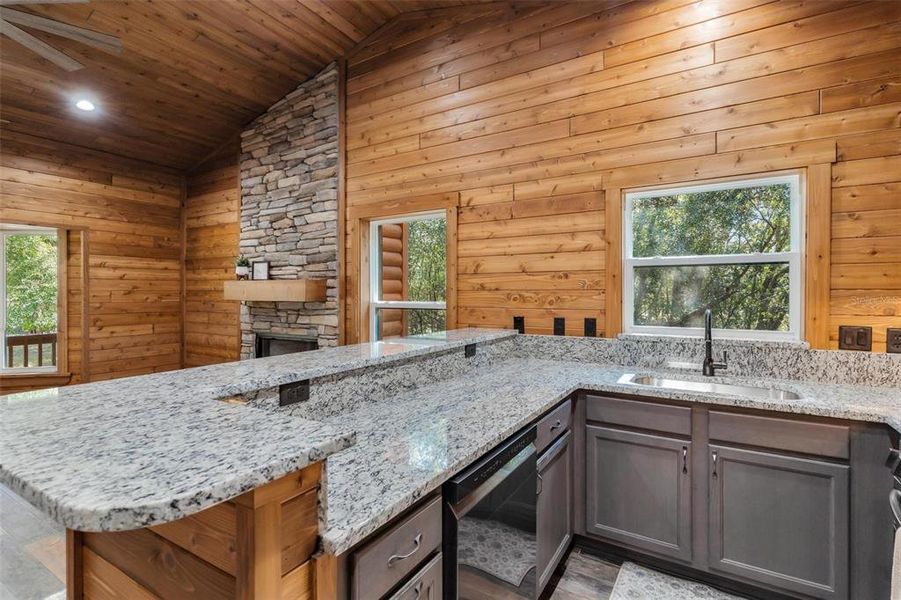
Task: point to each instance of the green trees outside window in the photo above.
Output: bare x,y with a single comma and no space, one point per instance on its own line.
30,288
727,248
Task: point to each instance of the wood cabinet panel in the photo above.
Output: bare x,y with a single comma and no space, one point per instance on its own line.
791,435
651,508
386,560
780,520
555,506
639,414
160,566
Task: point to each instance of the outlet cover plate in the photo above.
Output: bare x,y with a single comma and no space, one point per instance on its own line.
855,338
893,340
292,393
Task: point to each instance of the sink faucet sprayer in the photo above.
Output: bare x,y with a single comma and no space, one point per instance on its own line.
710,366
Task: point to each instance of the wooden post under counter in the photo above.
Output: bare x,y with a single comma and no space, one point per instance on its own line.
257,546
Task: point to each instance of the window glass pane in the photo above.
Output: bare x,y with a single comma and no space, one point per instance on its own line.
31,295
427,261
413,261
730,221
745,296
402,322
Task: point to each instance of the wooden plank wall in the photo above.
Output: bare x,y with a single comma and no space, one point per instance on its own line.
525,115
128,215
212,230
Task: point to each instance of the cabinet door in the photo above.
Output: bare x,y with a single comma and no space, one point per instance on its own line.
638,490
780,520
555,504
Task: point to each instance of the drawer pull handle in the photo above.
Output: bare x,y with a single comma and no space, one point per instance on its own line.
417,542
557,425
715,456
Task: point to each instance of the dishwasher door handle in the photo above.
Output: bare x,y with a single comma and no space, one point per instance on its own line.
894,500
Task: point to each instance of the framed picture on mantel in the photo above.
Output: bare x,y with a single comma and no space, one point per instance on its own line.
261,270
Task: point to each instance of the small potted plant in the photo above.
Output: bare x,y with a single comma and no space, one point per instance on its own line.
242,267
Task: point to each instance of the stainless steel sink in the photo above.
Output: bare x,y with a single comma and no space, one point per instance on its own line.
710,387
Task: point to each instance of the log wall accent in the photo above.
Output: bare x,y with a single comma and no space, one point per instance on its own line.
124,250
394,277
528,119
211,219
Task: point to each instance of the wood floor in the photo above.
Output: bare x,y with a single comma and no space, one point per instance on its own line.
583,577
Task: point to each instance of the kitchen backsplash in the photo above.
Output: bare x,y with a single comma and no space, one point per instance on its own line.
746,358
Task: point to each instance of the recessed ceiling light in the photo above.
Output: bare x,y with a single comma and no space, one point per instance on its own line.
85,105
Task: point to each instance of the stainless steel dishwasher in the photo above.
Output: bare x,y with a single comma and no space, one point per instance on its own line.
490,545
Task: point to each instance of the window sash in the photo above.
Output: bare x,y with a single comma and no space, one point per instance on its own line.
793,258
375,267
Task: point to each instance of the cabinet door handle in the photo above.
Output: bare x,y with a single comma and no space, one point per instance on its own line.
540,485
684,460
715,456
557,425
417,541
417,589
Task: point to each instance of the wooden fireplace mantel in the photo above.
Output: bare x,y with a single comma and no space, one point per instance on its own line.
276,290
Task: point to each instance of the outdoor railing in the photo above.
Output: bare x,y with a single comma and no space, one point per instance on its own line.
27,341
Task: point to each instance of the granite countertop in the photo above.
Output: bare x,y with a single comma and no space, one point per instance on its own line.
141,451
408,446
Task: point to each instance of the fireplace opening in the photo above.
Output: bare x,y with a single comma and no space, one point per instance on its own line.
275,344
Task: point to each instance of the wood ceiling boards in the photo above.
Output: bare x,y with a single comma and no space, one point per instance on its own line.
192,72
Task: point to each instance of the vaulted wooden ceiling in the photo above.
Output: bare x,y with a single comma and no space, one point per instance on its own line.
192,72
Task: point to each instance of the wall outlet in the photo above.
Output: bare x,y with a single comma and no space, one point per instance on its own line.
292,393
893,340
591,327
855,338
519,324
559,326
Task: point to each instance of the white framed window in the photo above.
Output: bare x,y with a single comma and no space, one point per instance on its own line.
407,275
734,247
29,299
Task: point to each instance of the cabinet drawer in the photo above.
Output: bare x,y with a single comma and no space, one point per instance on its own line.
425,585
821,439
392,556
552,425
640,414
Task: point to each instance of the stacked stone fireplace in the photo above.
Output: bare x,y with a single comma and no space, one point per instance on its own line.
289,209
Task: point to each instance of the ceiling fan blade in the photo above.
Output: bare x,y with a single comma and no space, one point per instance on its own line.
11,2
102,41
39,47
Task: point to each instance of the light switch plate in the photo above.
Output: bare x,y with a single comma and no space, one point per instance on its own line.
893,340
855,338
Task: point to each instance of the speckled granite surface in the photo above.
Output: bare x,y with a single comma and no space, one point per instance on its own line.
746,358
146,450
140,451
411,444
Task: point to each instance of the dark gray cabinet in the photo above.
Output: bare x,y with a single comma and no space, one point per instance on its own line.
779,520
555,506
638,490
